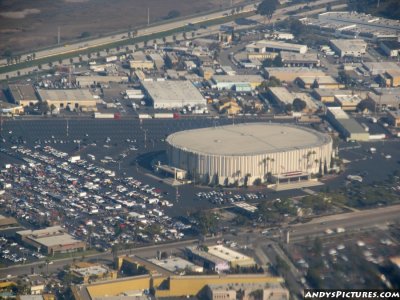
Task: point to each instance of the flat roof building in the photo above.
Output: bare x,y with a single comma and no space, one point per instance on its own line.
325,82
390,48
376,68
86,81
384,100
228,82
6,222
351,48
348,127
348,102
51,240
394,118
72,98
176,265
170,94
207,260
140,61
328,95
293,59
291,73
235,259
275,46
23,94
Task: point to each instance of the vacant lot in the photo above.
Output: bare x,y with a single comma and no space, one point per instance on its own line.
31,24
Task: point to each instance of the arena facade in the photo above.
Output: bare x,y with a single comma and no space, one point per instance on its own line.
245,154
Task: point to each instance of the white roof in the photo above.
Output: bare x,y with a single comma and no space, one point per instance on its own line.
227,254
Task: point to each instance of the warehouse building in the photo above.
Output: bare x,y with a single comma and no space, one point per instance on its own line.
349,48
176,265
264,46
87,81
290,74
349,128
323,82
140,61
394,118
69,98
83,272
282,97
348,102
208,261
226,82
352,24
390,78
376,68
243,154
390,48
385,100
23,94
328,95
171,94
293,59
234,258
51,240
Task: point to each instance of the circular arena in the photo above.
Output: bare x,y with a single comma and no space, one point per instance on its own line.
246,154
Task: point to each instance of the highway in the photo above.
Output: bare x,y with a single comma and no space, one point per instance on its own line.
279,15
349,221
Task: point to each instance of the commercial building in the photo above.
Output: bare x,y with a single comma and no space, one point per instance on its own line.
69,98
348,102
283,97
235,259
385,100
11,109
170,94
140,61
176,265
351,24
349,128
390,78
328,95
394,118
226,82
290,74
245,291
51,240
206,260
264,46
323,82
350,48
292,59
241,154
172,286
86,81
84,272
23,94
376,68
6,222
390,48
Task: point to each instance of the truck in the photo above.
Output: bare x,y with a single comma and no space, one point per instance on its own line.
340,230
163,116
98,115
372,150
145,116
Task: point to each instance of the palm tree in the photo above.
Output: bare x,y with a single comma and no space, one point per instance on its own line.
50,64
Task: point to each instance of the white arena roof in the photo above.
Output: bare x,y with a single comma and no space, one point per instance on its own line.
246,139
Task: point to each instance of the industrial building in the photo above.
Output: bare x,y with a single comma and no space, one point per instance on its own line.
176,265
349,128
328,95
292,59
83,272
87,81
226,82
234,258
394,118
23,94
283,97
376,68
385,100
323,82
51,240
349,48
171,94
264,46
68,98
7,222
140,61
352,24
205,259
244,291
390,48
348,102
391,78
241,154
290,74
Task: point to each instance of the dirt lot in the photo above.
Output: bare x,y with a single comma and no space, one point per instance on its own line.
30,24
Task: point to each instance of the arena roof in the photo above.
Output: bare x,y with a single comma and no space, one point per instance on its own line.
247,139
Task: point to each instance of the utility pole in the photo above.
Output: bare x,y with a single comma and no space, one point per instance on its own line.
148,16
67,128
58,36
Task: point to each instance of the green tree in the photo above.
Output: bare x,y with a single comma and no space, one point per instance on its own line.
206,222
267,8
299,105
